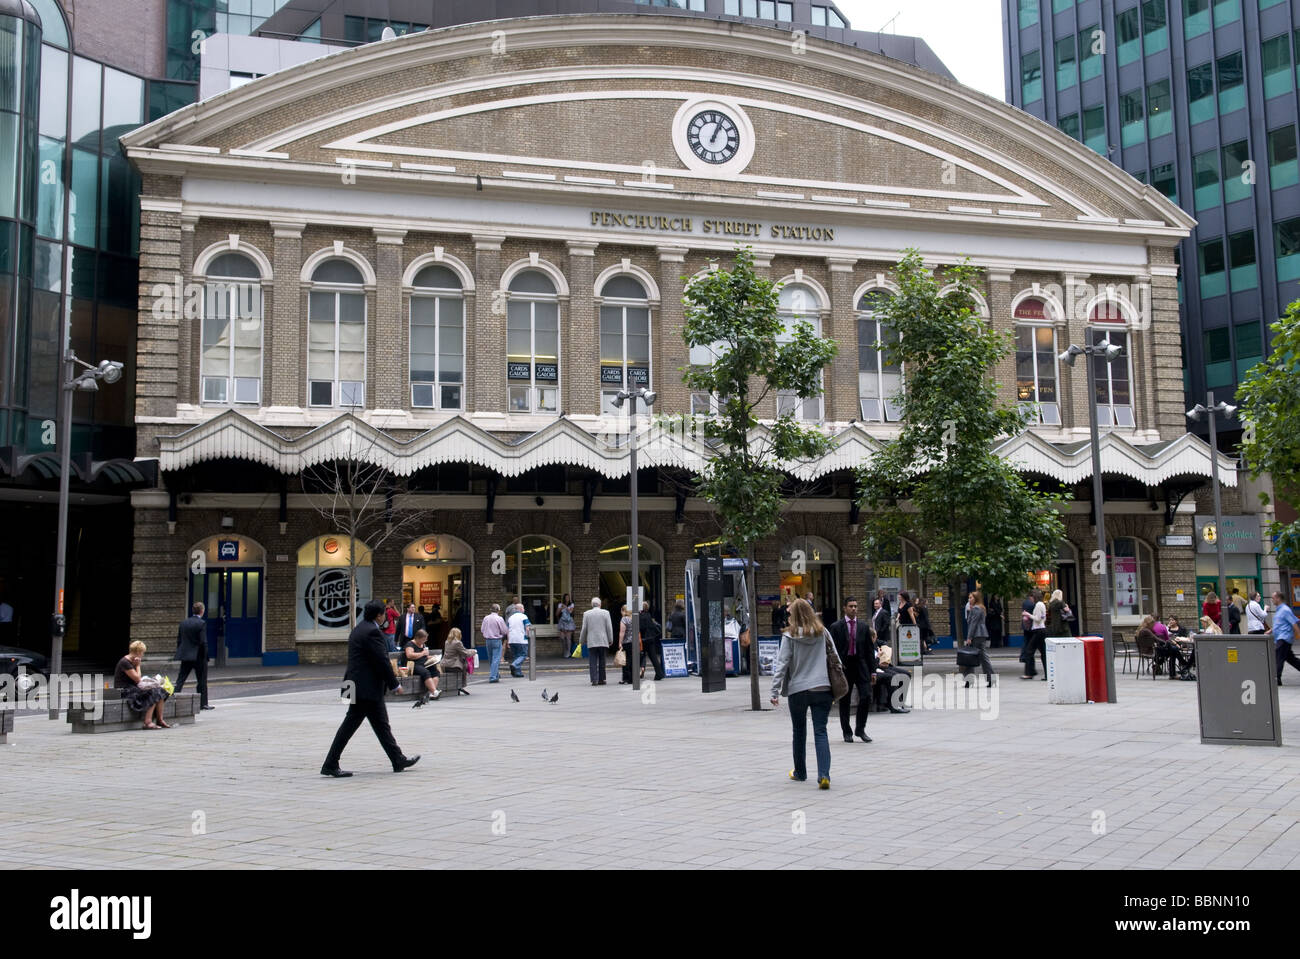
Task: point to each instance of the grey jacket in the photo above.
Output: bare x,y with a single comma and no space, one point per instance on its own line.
800,664
977,623
597,630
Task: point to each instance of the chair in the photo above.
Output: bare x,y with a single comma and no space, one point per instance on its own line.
1121,646
1146,649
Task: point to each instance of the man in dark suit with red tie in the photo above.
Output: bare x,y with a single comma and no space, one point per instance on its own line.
852,638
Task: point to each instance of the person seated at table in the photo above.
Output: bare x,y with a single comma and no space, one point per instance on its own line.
1176,628
890,679
454,657
147,699
1160,629
1210,626
1166,653
418,656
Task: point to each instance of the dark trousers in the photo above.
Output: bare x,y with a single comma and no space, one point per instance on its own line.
596,662
375,711
1284,656
858,677
627,663
653,648
200,669
891,687
1035,641
820,704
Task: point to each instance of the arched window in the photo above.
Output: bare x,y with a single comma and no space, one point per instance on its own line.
1036,360
231,361
1134,578
533,344
880,383
624,339
336,336
537,571
798,304
324,581
437,339
1112,382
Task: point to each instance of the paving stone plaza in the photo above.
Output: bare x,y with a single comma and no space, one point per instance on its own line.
607,778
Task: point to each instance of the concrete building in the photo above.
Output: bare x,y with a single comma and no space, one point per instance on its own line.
438,255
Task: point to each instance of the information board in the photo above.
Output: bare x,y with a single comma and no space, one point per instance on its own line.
768,647
674,651
909,645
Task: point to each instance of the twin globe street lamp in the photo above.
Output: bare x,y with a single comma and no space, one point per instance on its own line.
647,397
1212,410
1107,352
86,381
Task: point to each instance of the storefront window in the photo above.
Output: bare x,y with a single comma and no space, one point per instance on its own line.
624,340
324,582
880,383
1133,578
336,336
537,571
231,365
437,339
533,344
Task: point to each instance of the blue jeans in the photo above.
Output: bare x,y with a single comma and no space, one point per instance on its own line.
494,652
518,653
820,704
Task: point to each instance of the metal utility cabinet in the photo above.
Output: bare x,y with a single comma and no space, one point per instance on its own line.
1236,689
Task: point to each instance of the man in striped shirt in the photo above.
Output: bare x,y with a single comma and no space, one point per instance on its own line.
494,631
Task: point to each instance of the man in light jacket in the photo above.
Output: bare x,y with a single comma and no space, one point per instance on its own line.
596,636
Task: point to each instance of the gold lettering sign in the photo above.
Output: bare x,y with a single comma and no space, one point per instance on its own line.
712,227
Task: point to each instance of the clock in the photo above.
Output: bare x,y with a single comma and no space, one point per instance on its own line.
713,136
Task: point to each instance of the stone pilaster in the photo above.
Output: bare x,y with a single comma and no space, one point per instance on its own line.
389,336
285,360
1076,381
579,335
999,296
486,335
670,343
161,311
189,334
841,384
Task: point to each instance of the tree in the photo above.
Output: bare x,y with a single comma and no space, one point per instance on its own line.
1270,411
358,499
941,481
735,313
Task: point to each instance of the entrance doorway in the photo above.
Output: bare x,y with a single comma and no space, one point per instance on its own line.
615,566
810,564
226,575
437,576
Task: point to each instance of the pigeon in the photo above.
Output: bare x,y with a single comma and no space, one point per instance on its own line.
513,697
555,698
545,695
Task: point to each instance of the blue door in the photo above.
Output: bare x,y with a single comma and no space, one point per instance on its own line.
233,597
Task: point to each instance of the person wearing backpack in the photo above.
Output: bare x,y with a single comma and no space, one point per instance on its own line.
801,672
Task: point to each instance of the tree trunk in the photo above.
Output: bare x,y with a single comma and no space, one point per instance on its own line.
352,581
958,617
755,699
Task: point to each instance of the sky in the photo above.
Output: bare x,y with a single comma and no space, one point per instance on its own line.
965,34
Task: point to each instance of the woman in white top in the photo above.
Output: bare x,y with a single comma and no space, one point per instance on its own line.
1256,615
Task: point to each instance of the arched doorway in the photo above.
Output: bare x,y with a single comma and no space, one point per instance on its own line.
538,572
437,576
227,575
1063,576
810,564
615,567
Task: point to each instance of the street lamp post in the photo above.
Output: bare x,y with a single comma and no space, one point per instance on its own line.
1107,351
87,380
1211,409
647,397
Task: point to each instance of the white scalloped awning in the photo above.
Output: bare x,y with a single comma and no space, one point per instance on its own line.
231,435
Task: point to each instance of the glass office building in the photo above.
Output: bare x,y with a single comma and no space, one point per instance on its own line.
1197,99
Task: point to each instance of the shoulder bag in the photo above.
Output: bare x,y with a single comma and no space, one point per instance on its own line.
835,671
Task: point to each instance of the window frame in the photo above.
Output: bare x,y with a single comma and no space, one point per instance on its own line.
623,304
871,316
1041,408
230,295
1125,327
339,289
534,389
1144,559
437,294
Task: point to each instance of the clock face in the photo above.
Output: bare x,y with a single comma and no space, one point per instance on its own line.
713,136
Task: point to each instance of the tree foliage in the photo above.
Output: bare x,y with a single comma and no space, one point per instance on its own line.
735,313
940,482
1270,411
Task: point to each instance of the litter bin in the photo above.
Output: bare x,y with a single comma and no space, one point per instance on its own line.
1066,682
1236,689
1094,668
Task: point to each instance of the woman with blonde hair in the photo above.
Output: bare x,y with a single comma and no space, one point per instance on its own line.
455,657
625,645
800,673
1058,615
146,699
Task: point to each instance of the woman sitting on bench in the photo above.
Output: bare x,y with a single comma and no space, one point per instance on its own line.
454,658
416,655
148,699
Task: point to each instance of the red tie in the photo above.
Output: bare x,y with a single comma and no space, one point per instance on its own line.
853,637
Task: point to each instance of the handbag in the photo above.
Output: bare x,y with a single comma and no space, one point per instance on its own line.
835,671
577,651
620,658
968,656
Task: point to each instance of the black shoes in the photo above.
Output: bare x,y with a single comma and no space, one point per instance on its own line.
406,763
335,772
864,737
903,710
207,707
848,738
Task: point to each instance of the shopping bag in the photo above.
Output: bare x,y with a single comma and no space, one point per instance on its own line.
577,652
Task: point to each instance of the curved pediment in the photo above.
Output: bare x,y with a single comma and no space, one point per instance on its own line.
607,101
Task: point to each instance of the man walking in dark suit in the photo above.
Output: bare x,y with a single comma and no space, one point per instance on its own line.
410,623
852,638
192,651
370,674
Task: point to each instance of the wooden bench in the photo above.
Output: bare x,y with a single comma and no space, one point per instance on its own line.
6,725
116,715
449,684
